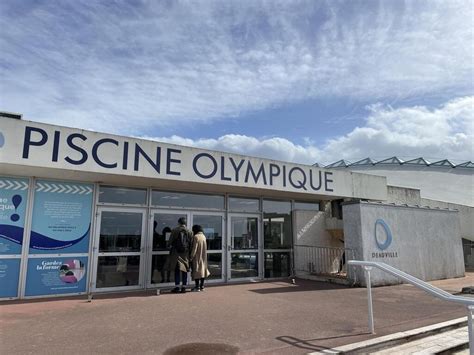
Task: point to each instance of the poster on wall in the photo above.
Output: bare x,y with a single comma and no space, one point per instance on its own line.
13,198
61,219
56,276
9,274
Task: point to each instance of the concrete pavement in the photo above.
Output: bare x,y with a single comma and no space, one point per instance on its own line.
266,317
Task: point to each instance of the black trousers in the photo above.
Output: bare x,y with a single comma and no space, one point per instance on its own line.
199,283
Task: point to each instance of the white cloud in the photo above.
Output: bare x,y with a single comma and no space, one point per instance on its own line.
131,68
444,132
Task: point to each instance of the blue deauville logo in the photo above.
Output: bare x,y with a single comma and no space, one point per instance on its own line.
388,234
383,243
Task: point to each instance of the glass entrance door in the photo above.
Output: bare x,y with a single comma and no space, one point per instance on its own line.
243,247
213,225
162,223
119,248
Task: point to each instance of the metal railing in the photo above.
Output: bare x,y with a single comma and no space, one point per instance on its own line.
432,290
327,261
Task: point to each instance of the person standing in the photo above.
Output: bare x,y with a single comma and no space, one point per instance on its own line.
180,241
199,258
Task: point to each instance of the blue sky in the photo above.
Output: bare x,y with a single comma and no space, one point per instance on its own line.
303,81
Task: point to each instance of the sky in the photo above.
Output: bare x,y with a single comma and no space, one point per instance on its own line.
300,81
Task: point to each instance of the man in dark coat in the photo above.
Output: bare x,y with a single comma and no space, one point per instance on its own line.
180,241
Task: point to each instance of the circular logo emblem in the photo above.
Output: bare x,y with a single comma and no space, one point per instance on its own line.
2,140
384,244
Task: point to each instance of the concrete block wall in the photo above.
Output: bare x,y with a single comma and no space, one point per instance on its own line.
426,243
309,228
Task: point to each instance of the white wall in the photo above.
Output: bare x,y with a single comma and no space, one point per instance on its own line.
401,195
453,185
426,243
309,228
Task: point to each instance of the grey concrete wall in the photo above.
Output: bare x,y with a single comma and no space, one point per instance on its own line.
426,243
402,195
309,228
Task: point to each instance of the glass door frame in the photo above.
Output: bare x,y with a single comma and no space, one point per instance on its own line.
149,245
224,243
230,250
96,253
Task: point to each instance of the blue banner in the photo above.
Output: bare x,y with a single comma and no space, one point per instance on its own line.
56,276
13,198
61,218
9,275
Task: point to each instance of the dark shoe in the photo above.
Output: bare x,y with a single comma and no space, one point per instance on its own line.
195,289
201,288
175,290
183,290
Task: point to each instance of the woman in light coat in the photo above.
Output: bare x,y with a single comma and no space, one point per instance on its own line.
199,258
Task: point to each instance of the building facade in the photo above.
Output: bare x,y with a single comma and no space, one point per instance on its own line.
89,212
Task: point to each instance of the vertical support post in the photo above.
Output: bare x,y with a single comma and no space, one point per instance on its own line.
470,309
369,298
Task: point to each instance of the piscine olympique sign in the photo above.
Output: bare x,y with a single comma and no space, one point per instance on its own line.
48,146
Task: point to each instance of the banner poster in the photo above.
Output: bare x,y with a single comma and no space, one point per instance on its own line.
56,276
9,275
61,218
13,198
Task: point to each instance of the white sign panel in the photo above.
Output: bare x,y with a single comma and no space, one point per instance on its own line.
41,145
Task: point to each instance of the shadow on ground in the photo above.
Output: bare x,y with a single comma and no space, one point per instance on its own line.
315,286
202,349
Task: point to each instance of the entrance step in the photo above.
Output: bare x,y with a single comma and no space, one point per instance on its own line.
442,338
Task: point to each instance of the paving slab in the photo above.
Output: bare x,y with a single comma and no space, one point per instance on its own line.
266,317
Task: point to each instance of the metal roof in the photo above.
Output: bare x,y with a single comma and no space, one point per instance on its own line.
397,161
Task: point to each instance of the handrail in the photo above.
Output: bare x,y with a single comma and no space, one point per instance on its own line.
432,290
425,286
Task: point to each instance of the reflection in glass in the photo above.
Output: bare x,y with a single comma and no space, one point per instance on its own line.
277,265
160,272
277,232
114,271
244,265
243,204
306,206
214,264
120,231
177,199
121,195
163,224
212,226
244,232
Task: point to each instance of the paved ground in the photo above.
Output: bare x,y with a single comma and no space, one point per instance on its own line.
267,317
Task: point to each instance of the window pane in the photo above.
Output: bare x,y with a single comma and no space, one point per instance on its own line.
214,265
244,265
277,265
121,195
308,206
271,206
120,232
277,231
113,271
212,226
177,199
243,204
163,224
160,272
244,233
